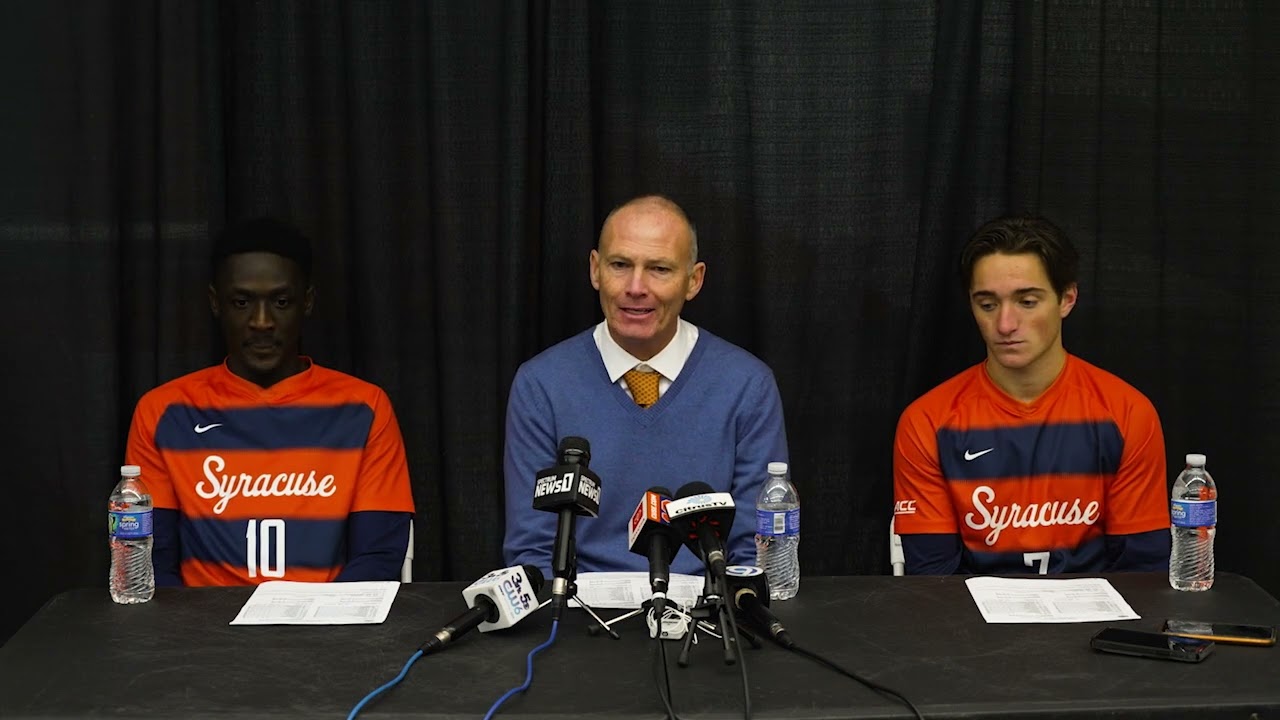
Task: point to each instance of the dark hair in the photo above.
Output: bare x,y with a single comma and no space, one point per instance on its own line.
1020,235
262,234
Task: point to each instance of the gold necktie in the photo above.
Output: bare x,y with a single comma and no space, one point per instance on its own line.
643,385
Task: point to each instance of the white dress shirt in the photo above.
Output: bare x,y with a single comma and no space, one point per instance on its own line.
667,363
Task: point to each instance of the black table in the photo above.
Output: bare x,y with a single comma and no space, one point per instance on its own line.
176,656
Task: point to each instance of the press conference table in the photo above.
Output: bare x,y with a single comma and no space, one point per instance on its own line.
176,656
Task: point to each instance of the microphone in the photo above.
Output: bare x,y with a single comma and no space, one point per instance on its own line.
650,533
498,600
749,588
703,518
569,490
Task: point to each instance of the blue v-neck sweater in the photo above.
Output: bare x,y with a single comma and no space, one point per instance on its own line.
720,422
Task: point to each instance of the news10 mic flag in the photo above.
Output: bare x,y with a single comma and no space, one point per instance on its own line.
573,487
512,592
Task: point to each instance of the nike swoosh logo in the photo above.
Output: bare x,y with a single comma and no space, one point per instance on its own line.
974,456
201,429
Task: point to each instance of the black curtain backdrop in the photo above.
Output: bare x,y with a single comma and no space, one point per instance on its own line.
453,162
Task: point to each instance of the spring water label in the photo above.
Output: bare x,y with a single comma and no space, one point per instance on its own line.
778,523
129,524
1193,513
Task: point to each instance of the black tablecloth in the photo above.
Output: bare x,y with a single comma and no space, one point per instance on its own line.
177,656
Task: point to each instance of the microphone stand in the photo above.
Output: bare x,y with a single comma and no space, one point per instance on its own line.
659,555
647,607
570,583
607,625
573,595
712,610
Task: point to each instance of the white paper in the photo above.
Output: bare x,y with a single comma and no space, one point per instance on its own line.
627,590
1042,600
284,602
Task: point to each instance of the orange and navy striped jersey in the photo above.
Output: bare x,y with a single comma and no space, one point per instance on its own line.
264,480
1036,487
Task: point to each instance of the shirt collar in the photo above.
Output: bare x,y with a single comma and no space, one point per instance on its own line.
298,382
669,361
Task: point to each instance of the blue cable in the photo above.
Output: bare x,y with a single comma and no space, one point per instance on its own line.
404,671
528,678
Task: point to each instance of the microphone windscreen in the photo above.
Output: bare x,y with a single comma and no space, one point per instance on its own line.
697,487
575,450
535,576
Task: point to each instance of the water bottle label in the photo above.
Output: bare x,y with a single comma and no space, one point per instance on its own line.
131,525
778,523
1193,513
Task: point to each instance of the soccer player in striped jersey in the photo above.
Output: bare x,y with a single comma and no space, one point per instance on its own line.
1032,461
268,466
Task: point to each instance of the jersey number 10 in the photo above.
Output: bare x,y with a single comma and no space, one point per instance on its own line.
258,557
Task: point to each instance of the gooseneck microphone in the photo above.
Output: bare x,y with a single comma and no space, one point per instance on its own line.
569,490
704,518
650,533
498,600
749,589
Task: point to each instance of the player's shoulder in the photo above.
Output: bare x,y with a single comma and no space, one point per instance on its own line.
339,387
1110,389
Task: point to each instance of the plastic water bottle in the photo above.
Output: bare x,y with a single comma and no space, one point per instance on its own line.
132,578
1193,509
778,533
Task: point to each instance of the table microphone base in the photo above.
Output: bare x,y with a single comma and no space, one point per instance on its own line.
592,629
711,615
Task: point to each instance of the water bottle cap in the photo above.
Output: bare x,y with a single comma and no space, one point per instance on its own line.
130,471
777,468
1195,459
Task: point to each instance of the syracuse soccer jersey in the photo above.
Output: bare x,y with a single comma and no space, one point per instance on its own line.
1030,487
264,479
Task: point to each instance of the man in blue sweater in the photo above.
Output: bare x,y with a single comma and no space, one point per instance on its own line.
661,401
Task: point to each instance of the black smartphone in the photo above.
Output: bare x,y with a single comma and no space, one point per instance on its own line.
1233,633
1151,644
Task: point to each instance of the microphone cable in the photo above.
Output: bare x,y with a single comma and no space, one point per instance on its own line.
528,678
726,611
661,675
873,685
403,671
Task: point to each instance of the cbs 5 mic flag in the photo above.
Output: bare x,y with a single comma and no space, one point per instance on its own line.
513,592
498,600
